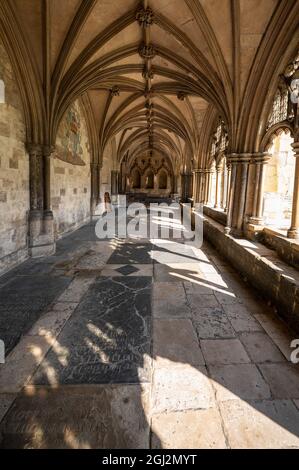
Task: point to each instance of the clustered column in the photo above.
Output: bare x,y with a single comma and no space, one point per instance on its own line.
95,186
258,160
293,232
41,220
237,195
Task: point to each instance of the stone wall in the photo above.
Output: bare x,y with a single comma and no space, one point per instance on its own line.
108,166
14,171
70,173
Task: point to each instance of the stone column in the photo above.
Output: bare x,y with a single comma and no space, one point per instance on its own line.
35,171
35,216
235,218
95,187
238,196
114,182
206,187
227,188
186,186
259,160
40,220
233,175
197,185
209,174
293,232
217,204
47,151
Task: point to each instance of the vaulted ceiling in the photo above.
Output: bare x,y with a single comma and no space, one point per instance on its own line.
155,74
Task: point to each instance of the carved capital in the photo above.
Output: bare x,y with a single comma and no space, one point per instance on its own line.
149,105
34,149
145,17
147,74
115,91
181,95
48,150
260,158
147,51
292,67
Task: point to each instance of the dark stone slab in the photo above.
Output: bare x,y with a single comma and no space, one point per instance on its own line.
127,269
132,253
107,338
23,300
95,417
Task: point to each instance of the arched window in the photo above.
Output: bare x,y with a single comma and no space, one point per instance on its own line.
149,181
163,180
279,112
136,178
2,92
279,182
218,181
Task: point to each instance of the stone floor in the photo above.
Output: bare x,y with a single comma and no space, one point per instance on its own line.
138,344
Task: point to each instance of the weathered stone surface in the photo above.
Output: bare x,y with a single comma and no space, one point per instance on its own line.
23,300
107,339
14,195
283,379
165,255
198,287
227,298
238,381
177,272
53,321
240,318
224,351
175,343
22,362
260,347
93,260
181,388
78,287
172,430
212,323
265,424
172,305
139,253
93,417
202,300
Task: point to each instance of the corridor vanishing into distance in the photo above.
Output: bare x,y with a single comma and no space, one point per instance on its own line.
142,343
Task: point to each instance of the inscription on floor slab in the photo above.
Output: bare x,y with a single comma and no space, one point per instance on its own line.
107,340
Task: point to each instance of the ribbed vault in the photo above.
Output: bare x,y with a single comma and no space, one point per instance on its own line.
151,74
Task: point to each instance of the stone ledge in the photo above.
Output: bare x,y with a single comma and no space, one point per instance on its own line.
216,214
262,268
286,248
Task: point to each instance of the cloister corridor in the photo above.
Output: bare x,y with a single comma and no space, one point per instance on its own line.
145,340
142,343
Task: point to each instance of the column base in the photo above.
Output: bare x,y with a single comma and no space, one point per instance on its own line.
256,220
41,234
293,233
235,232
